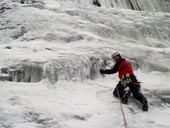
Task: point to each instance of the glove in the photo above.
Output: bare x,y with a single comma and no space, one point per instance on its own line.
101,71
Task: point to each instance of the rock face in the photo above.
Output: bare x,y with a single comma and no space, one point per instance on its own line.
96,2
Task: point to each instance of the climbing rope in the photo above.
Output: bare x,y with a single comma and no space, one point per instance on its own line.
123,114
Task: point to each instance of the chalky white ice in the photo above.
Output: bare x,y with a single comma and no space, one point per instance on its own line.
52,51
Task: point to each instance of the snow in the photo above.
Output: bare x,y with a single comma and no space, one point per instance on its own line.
59,50
77,104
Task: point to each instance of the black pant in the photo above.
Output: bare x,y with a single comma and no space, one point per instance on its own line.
135,89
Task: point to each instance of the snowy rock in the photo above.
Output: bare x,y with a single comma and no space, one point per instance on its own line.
3,7
36,4
19,33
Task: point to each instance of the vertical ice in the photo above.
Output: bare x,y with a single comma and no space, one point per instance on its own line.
149,5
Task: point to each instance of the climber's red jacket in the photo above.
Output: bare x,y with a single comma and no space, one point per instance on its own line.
122,67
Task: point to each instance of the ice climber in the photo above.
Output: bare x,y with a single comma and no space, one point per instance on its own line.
127,79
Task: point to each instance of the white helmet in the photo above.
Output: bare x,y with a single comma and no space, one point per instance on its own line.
116,54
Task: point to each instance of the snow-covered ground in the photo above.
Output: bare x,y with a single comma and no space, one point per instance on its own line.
62,46
87,104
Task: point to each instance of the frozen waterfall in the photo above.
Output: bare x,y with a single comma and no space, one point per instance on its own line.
149,5
72,42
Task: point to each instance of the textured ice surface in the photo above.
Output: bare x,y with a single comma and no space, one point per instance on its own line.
72,42
149,5
61,46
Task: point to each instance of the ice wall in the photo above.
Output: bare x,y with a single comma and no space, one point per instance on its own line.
149,5
62,69
143,37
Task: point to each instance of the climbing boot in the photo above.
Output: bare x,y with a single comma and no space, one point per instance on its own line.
125,97
145,104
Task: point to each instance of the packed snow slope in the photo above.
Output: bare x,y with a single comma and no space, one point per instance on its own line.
52,51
